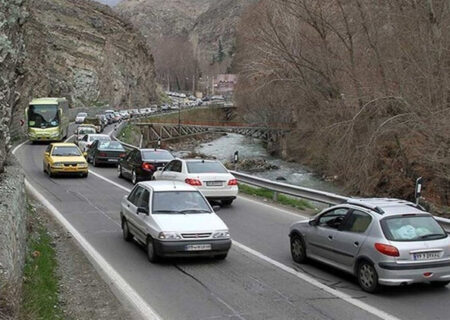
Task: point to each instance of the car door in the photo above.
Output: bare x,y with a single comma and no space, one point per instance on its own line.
136,162
82,143
144,221
47,154
92,150
321,236
176,171
167,172
126,164
351,236
133,217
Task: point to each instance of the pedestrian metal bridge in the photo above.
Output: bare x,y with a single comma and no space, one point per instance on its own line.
153,132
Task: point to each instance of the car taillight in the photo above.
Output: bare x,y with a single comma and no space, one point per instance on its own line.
102,154
193,182
233,182
148,166
122,155
387,249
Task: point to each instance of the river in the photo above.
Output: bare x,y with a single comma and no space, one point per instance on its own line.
224,147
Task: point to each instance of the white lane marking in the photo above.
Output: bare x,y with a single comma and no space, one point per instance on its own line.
69,138
18,146
115,279
274,207
358,303
347,298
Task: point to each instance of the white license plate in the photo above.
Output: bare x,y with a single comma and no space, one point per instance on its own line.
427,255
113,160
214,183
198,247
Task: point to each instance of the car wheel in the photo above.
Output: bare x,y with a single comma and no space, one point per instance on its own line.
368,277
133,177
127,236
227,203
85,175
151,254
49,171
221,256
298,249
119,171
439,284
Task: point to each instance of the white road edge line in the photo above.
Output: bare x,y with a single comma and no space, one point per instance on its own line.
339,294
116,280
144,309
69,138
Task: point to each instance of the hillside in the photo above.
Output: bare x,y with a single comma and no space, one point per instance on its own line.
82,50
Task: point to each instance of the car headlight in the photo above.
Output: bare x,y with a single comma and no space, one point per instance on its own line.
82,165
169,236
58,165
221,235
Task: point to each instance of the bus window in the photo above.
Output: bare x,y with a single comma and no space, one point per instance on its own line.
43,116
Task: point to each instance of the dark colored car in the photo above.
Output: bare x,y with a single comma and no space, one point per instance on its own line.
140,164
105,152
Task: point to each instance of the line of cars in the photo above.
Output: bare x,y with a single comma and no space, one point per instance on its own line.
382,242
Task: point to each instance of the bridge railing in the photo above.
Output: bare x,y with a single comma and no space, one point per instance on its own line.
292,190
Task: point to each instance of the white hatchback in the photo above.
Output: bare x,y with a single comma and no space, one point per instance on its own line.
210,177
173,219
88,139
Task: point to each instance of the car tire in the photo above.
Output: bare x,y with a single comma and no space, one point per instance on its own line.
368,277
85,175
127,236
439,284
134,178
221,256
49,172
227,203
119,171
150,249
298,249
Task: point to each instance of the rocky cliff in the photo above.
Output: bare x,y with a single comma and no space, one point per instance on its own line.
82,50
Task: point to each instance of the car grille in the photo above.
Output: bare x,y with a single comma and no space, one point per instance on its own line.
196,235
72,164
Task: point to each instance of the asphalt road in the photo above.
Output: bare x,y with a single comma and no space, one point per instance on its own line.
247,285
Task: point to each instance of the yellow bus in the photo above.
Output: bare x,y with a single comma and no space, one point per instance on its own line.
47,119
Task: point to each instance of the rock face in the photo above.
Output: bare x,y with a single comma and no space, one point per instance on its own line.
82,50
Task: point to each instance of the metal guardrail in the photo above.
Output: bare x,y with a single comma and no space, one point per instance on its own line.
284,188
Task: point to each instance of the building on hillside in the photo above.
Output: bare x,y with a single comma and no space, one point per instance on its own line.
224,84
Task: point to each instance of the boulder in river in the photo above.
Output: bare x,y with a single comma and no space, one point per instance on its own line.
252,165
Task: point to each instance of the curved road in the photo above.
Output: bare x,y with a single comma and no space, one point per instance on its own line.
258,280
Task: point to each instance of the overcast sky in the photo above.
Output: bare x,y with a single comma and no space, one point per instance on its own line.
110,2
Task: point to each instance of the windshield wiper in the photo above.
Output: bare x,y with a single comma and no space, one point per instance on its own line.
194,211
166,211
431,235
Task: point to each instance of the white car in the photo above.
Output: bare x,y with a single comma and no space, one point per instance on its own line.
208,176
173,219
80,117
82,131
88,139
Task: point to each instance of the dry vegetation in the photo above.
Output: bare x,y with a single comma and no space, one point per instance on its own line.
364,83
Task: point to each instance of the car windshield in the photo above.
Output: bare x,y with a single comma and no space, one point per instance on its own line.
205,167
110,145
86,130
100,138
82,115
179,202
149,155
66,151
412,228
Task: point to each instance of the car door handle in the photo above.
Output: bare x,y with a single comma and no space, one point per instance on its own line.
356,243
330,237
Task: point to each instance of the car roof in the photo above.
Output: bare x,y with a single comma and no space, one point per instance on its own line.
155,150
63,144
167,186
200,160
387,206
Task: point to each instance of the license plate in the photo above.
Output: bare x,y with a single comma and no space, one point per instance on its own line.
71,169
198,247
427,255
113,160
214,183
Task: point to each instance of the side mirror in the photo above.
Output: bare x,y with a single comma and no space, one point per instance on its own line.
142,210
160,169
85,154
313,222
217,208
46,153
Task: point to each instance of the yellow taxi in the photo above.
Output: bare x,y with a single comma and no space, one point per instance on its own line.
64,158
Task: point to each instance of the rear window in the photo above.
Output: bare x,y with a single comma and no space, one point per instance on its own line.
100,138
157,155
412,228
205,167
110,145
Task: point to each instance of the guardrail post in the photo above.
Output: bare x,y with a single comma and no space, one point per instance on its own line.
275,196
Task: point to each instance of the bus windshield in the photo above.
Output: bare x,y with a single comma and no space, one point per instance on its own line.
43,116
